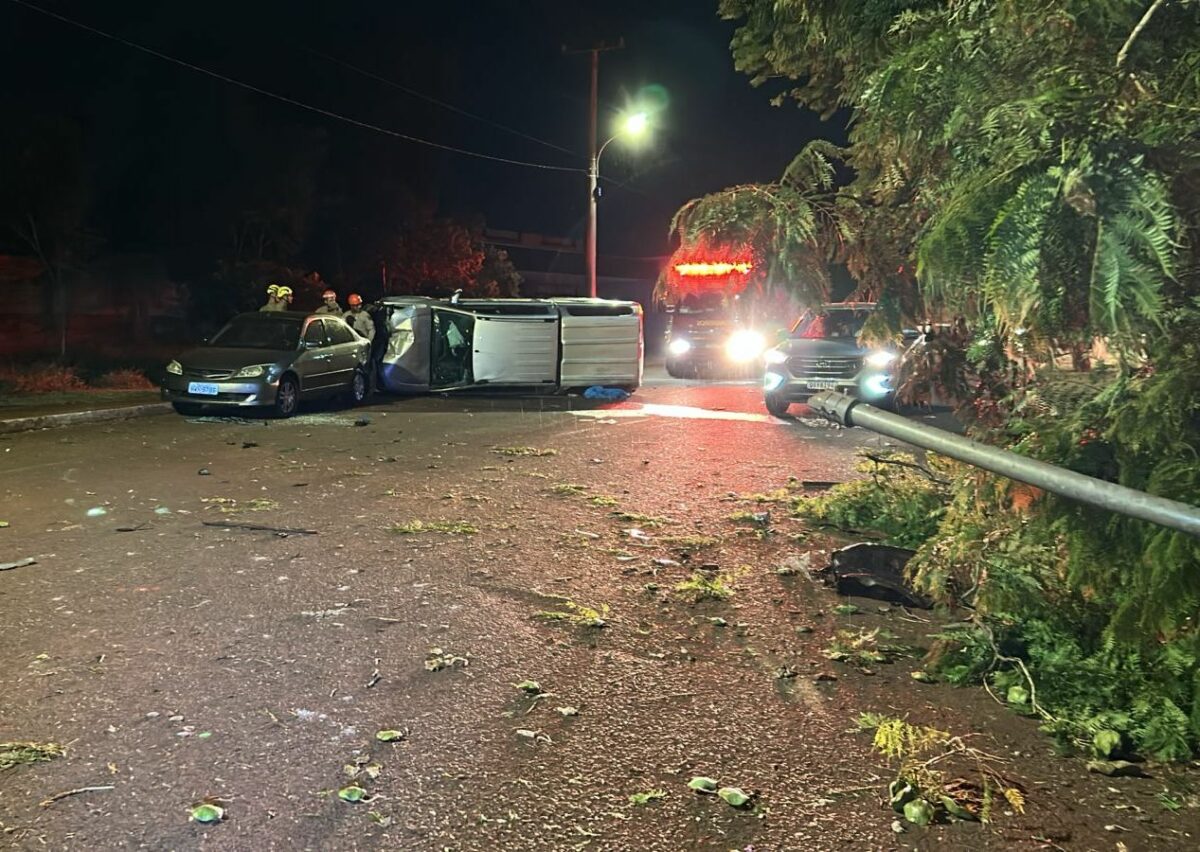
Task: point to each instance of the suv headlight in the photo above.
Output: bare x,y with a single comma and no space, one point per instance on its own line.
252,371
775,356
175,368
680,346
879,360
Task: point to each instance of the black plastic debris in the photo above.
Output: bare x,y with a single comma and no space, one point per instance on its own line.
874,571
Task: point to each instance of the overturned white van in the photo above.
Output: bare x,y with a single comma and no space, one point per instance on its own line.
425,344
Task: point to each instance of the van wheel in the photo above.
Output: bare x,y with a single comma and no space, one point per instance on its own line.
188,409
777,406
287,398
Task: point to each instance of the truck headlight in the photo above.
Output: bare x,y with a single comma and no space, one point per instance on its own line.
745,346
252,371
879,360
775,356
175,368
679,346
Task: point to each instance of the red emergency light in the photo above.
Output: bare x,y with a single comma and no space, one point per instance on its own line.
706,269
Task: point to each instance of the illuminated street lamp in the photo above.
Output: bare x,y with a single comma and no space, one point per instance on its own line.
631,126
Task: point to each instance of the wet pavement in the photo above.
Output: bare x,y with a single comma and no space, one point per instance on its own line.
230,609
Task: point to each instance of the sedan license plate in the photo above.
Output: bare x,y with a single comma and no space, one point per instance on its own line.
821,384
203,388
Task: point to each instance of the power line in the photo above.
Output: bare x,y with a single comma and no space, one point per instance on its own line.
292,101
430,99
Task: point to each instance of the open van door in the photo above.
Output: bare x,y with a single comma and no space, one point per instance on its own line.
516,350
452,337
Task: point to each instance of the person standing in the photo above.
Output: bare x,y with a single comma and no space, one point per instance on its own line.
274,302
329,304
358,319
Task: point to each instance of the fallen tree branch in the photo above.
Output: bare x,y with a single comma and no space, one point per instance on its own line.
924,471
47,802
1137,31
259,528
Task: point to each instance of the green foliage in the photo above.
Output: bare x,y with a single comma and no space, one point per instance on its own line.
898,500
1031,170
700,587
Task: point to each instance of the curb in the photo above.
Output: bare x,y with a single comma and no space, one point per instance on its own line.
73,418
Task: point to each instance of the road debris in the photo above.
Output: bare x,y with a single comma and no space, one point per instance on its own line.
874,571
280,531
391,735
701,784
25,752
206,812
47,802
20,563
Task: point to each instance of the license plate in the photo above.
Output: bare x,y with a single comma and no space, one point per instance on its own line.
821,384
203,388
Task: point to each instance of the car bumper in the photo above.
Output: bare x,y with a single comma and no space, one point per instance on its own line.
246,393
869,386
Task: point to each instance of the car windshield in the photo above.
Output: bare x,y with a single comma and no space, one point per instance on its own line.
259,332
832,325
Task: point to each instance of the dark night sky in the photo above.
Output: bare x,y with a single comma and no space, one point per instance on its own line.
158,142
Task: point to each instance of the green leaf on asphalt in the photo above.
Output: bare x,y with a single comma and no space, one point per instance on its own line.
389,736
647,797
717,621
529,687
3,524
352,794
372,770
702,785
922,677
846,609
919,812
207,813
734,796
568,711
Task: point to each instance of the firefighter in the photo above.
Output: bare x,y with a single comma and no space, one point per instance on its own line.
274,302
359,319
330,305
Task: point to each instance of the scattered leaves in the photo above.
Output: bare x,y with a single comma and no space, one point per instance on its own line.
577,614
523,451
702,784
437,659
444,527
699,587
735,797
647,797
529,687
206,812
353,794
390,735
22,753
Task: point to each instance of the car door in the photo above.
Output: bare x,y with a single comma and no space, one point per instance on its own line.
347,348
314,364
451,336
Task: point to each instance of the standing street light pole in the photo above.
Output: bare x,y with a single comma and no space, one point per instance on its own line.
589,237
632,126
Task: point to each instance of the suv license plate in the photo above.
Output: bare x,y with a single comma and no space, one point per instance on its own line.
821,384
203,388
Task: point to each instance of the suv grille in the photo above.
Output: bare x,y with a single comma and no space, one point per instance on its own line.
825,368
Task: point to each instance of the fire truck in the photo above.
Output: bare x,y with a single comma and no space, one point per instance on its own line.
719,322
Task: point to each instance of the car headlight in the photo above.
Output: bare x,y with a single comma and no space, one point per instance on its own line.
879,360
679,346
252,372
772,381
775,356
175,368
745,346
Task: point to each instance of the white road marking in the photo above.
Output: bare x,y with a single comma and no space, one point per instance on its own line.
682,412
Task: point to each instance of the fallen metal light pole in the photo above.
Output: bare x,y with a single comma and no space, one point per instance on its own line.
849,411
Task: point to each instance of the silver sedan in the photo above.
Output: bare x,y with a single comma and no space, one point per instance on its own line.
271,359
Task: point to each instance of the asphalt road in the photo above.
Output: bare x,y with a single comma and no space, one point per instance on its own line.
180,657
